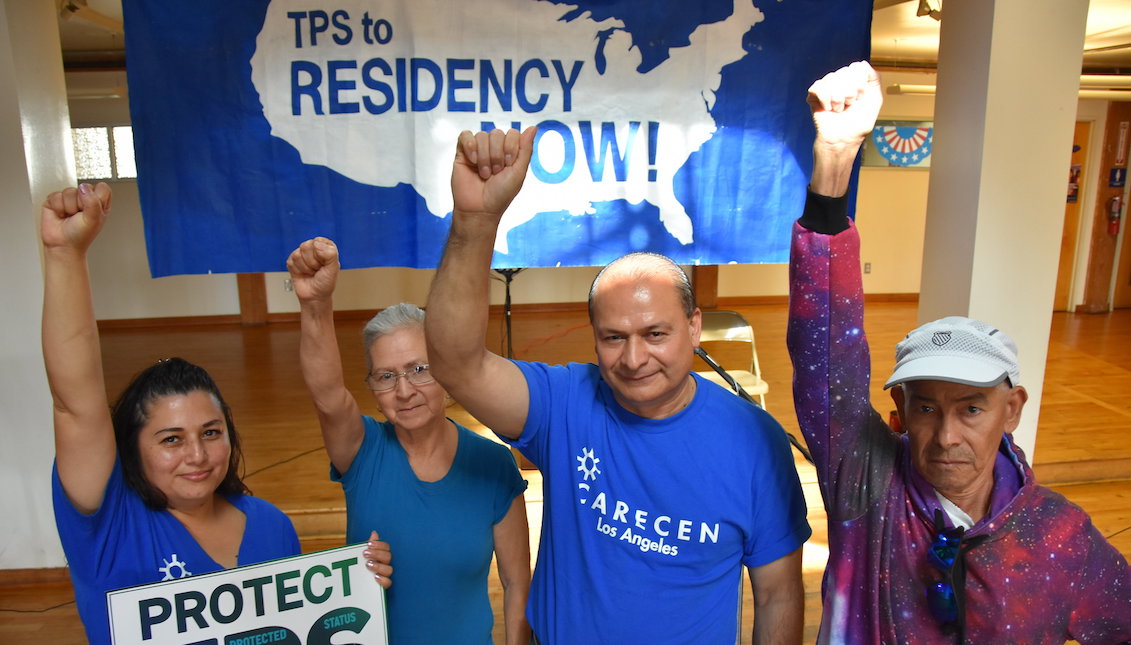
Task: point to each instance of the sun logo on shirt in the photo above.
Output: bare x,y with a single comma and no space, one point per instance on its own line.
587,466
170,565
591,471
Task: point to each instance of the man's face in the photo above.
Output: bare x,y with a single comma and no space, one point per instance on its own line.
955,431
645,344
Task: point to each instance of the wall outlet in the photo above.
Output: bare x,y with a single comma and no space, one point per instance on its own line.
867,267
288,285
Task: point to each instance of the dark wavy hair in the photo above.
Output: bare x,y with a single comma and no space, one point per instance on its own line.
168,377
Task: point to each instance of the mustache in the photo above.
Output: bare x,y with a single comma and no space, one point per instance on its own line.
949,455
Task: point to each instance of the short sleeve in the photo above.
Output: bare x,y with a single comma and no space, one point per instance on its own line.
779,519
511,484
84,537
370,452
541,380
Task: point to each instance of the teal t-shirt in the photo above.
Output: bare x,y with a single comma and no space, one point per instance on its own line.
441,533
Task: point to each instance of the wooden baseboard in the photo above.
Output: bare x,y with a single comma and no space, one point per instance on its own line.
731,302
34,576
891,297
757,301
541,308
172,321
347,314
293,316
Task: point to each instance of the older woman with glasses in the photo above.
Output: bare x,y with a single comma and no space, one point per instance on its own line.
444,498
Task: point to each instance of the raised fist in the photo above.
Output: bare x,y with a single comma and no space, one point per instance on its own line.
314,269
73,217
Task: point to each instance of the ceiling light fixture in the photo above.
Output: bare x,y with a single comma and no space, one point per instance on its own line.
932,8
1102,89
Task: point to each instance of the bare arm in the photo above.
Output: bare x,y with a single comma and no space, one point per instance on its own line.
314,269
779,601
845,104
512,554
84,435
487,174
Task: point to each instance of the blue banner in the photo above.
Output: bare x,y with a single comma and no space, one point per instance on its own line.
670,126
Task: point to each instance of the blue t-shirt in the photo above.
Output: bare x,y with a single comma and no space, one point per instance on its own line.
648,521
441,533
125,543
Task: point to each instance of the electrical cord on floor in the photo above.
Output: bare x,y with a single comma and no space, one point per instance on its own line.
283,461
1122,530
37,611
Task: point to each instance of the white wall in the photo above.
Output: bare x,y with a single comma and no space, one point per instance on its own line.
119,269
34,143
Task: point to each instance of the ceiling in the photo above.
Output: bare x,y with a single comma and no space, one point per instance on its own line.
902,39
91,35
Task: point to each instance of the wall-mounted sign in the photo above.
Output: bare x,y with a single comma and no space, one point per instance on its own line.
1117,178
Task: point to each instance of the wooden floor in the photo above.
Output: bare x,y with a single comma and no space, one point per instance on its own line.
1083,444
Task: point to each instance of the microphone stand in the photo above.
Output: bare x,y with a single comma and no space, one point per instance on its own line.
508,275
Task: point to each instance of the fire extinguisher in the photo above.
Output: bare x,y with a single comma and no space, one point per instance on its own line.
1114,211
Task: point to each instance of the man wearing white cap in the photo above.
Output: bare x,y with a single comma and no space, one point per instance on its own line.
941,534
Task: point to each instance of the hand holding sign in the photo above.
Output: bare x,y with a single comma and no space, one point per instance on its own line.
378,557
489,169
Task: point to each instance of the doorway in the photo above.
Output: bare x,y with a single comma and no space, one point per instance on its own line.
1122,296
1071,230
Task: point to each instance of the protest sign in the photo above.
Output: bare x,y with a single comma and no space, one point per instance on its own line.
303,600
670,126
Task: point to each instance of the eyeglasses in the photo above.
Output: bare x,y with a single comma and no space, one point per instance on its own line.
941,599
385,381
946,599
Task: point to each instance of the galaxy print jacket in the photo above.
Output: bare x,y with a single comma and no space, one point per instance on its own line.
1040,573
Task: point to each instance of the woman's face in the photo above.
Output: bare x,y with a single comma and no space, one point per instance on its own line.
407,406
185,447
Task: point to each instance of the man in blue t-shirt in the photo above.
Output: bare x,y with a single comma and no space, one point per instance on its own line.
659,486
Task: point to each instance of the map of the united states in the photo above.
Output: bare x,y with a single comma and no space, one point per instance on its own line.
378,91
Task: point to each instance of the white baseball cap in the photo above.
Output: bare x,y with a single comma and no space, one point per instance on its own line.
958,350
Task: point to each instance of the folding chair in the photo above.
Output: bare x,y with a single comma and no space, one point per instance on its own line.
730,326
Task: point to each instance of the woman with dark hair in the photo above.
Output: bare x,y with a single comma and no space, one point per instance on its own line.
152,491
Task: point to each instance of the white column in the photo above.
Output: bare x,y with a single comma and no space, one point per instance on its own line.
1004,113
35,147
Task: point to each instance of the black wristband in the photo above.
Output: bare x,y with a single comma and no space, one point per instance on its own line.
823,214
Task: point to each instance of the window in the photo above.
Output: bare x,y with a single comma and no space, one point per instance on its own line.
104,153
